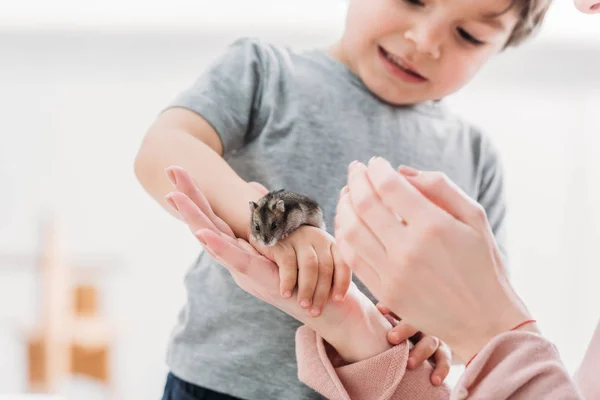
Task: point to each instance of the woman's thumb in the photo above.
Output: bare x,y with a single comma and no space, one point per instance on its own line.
447,195
263,190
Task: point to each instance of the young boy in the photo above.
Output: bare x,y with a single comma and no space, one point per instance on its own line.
295,121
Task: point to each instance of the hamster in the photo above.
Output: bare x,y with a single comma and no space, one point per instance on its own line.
279,213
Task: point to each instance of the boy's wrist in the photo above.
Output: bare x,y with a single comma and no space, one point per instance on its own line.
243,223
361,333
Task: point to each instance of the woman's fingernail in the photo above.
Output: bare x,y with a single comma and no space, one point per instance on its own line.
437,380
287,294
338,297
172,203
315,312
171,176
201,239
395,337
411,362
408,171
373,159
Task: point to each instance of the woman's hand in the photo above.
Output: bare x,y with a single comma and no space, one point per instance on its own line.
355,328
426,250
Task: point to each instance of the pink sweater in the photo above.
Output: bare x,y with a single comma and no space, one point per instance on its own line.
515,365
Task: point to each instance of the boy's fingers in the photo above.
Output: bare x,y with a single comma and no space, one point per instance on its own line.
443,363
386,310
382,308
425,348
324,280
401,332
308,273
342,275
285,259
391,320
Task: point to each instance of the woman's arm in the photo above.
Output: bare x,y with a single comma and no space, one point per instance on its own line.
354,330
344,354
517,365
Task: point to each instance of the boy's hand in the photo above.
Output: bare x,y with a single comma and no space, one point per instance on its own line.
308,256
426,347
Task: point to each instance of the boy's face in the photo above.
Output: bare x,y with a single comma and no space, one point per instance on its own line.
445,42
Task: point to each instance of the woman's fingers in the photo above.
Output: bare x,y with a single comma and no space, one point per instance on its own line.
222,250
400,196
353,231
184,183
263,190
446,195
386,226
189,212
256,267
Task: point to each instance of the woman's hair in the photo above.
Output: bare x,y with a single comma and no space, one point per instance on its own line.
531,13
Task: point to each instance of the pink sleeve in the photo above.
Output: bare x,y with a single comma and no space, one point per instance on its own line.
586,376
382,377
517,365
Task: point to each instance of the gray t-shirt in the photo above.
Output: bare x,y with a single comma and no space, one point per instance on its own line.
295,120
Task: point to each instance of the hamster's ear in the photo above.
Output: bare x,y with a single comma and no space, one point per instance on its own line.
280,206
253,206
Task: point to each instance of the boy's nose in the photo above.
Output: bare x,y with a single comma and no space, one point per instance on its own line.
425,40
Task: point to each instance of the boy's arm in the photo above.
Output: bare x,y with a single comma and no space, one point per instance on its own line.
183,138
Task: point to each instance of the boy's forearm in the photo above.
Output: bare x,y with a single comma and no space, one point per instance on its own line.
361,334
227,193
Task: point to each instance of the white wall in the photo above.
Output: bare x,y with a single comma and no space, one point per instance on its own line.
76,103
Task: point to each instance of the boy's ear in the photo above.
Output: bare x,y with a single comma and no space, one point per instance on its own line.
253,205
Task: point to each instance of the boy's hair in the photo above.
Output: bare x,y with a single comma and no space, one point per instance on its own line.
531,14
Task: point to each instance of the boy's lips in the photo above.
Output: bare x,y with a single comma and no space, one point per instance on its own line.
402,66
595,7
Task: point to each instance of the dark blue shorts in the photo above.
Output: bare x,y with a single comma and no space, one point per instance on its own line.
176,389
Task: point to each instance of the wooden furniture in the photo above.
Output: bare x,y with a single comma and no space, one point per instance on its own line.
70,337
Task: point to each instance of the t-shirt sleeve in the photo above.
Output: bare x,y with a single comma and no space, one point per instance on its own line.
228,93
492,195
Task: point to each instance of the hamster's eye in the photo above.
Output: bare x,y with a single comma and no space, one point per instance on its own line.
274,225
256,228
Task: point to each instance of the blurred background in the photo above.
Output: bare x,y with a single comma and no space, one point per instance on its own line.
81,82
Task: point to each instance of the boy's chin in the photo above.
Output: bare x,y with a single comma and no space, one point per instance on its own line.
398,96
